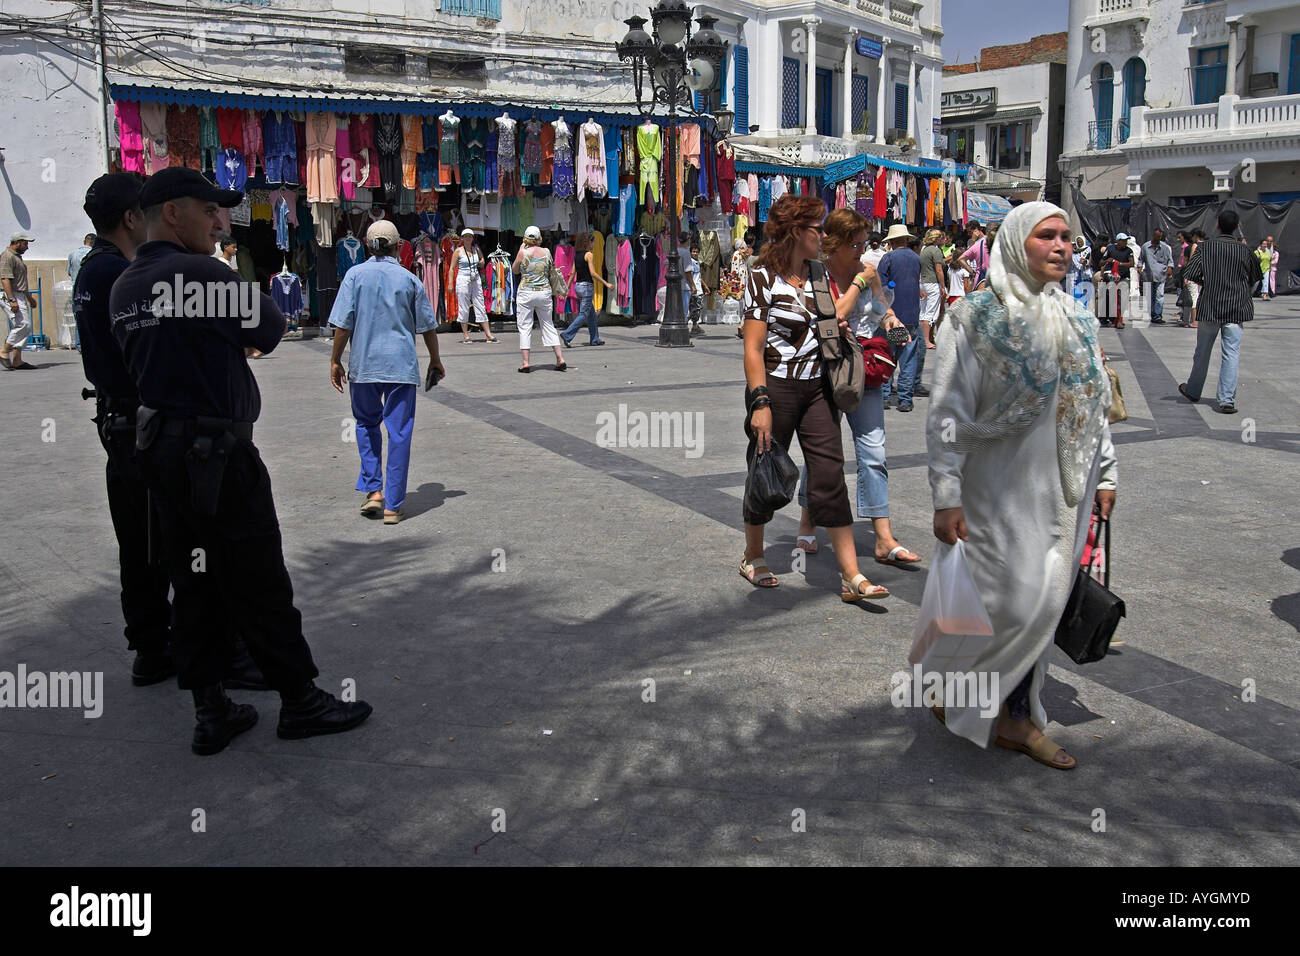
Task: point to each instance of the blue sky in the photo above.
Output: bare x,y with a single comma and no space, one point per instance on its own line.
971,25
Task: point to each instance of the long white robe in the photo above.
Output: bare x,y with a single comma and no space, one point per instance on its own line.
1025,543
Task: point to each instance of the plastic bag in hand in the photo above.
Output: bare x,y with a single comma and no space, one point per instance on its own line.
953,629
772,480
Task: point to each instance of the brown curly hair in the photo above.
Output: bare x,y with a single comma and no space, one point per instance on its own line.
841,226
787,214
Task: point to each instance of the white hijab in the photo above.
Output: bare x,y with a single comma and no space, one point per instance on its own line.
1041,343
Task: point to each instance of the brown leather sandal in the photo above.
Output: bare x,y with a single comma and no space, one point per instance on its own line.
1043,750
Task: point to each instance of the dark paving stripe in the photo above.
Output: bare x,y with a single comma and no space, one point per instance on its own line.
1266,727
1173,415
738,384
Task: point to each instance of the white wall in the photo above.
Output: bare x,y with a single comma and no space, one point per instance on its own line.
1018,87
53,147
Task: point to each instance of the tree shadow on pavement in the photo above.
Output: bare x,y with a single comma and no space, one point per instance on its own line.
747,721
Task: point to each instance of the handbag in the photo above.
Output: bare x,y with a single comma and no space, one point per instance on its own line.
559,288
771,481
842,363
877,360
1118,412
1092,613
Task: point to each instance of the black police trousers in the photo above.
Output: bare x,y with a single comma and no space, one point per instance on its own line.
227,571
145,607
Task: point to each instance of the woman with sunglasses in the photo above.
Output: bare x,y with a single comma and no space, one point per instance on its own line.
787,393
860,300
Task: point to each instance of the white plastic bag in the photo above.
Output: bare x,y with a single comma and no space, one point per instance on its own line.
953,628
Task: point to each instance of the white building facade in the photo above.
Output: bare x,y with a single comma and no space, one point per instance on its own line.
1008,124
822,80
1183,102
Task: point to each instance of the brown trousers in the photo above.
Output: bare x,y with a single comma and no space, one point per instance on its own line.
803,408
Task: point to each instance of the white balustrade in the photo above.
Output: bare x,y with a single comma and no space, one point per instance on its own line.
1178,121
1269,112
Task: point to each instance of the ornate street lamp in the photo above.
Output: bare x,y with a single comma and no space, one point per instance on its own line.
667,68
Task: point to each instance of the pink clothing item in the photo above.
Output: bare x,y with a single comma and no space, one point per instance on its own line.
361,133
130,136
253,141
427,262
623,275
153,131
347,163
752,181
565,263
691,144
663,264
322,180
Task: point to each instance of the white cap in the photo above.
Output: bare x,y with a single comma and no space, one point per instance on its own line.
532,232
21,236
1122,237
466,232
382,229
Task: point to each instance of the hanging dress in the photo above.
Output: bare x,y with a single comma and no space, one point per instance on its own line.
563,180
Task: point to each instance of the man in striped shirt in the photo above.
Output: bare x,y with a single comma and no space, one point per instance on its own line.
1227,272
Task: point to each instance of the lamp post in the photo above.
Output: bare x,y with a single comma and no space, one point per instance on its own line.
667,67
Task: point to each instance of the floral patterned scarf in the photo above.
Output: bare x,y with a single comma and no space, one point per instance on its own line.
1034,338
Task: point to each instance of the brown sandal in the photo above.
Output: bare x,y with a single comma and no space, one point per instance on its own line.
1044,750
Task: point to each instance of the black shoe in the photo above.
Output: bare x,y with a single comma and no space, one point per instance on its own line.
921,392
314,712
243,673
219,718
1157,321
1182,390
152,667
1228,409
905,408
890,401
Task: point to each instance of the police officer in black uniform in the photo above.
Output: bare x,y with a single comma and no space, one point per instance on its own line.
113,205
183,322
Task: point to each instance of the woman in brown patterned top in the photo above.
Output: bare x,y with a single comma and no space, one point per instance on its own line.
786,394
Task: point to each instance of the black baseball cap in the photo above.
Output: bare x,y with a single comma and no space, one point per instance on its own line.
178,182
113,194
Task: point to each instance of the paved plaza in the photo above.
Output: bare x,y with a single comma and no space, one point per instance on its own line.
505,633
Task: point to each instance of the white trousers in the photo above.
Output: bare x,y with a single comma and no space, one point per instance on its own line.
930,307
469,300
539,304
20,323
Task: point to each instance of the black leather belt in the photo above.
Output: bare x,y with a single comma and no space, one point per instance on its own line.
188,427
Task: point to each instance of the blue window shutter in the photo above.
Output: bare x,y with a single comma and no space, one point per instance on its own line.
790,69
900,106
859,108
741,104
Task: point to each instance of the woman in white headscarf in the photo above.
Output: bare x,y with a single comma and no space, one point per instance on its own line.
1019,450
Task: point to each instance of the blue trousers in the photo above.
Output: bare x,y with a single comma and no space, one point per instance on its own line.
1206,333
911,361
586,314
394,405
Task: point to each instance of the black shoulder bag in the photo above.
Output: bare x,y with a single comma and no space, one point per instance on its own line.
842,364
1093,612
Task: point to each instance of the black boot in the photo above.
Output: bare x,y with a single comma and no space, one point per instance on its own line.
151,667
243,672
310,712
219,718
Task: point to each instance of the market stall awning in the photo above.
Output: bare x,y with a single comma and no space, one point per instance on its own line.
365,101
837,172
770,162
985,208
